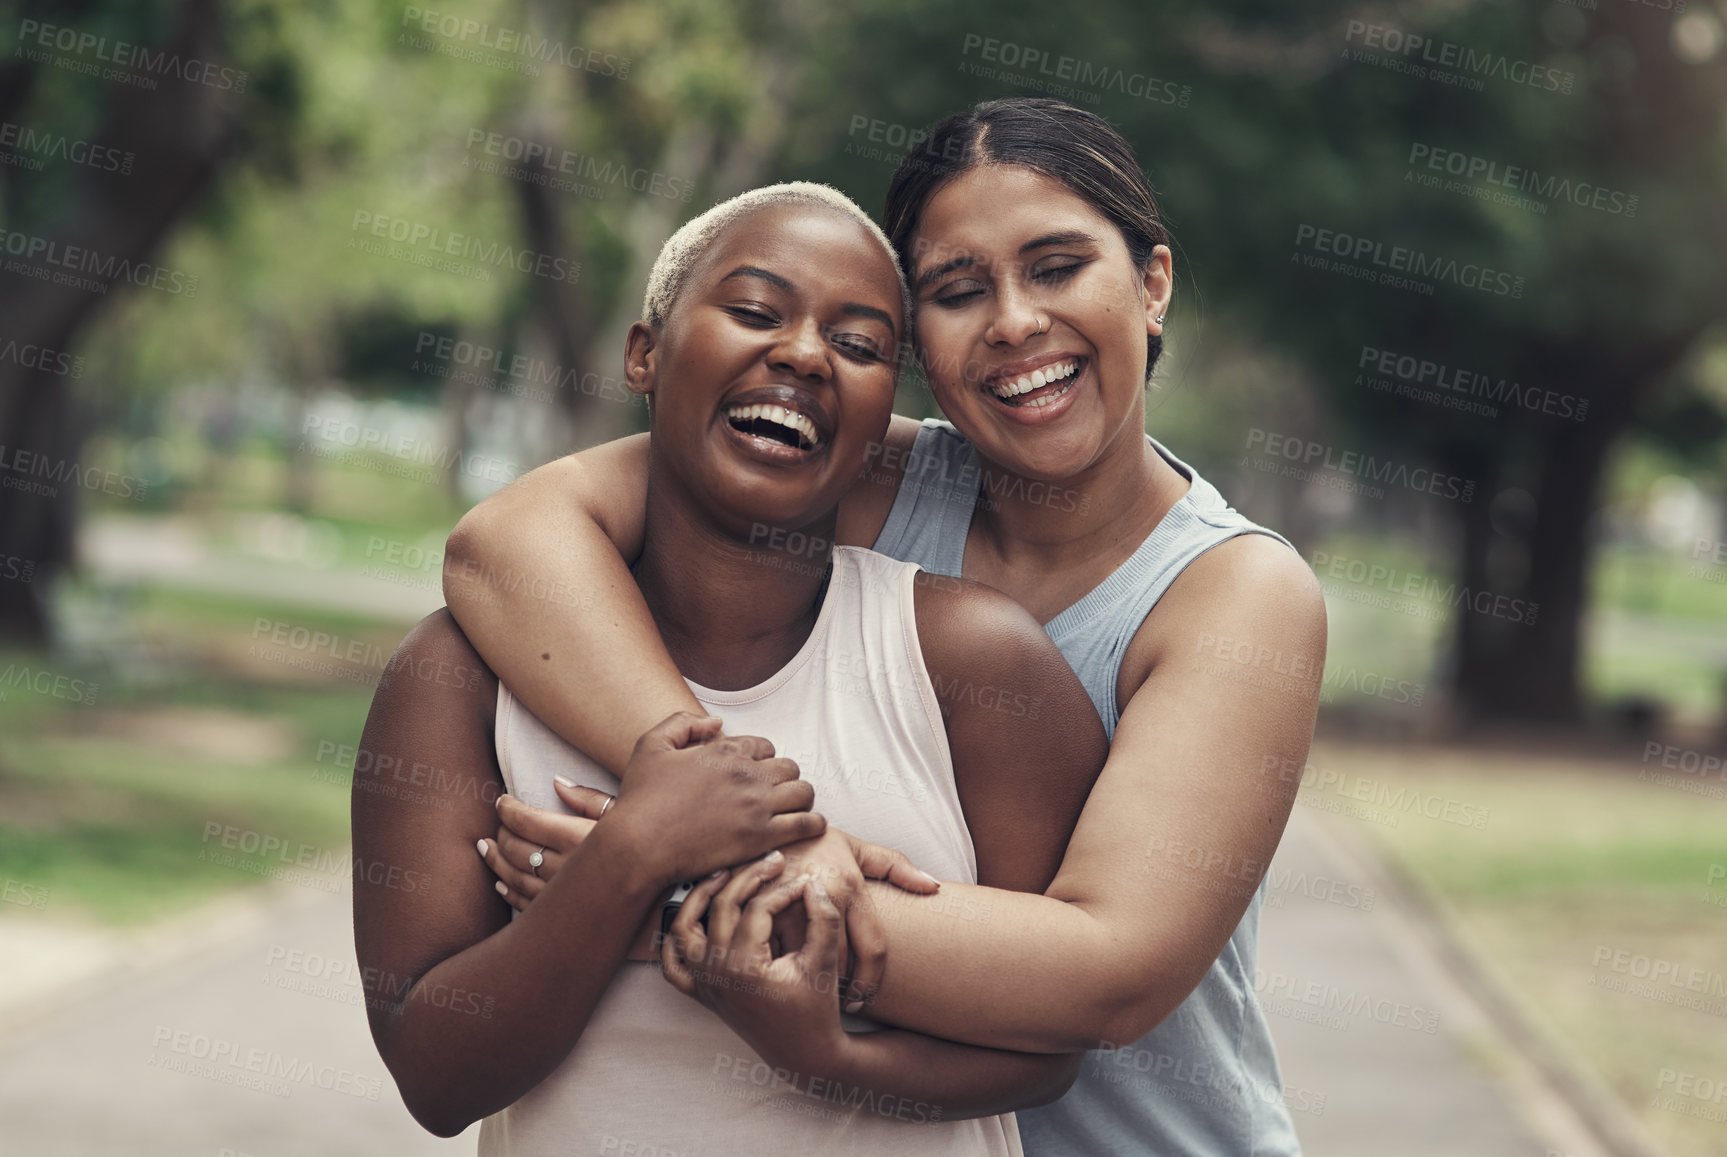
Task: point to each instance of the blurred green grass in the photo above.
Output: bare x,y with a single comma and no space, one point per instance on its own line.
1656,630
109,805
1578,854
136,857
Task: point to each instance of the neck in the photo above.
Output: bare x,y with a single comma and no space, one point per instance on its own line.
731,614
1121,496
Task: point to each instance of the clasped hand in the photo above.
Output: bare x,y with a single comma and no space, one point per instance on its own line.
702,801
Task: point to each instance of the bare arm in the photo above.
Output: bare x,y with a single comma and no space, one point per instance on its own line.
788,1014
960,1080
1026,745
1172,842
538,577
1026,741
469,1009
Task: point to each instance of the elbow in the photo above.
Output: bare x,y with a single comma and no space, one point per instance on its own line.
438,1124
432,1112
1064,1071
472,554
462,549
1136,997
436,1111
1135,1016
432,1099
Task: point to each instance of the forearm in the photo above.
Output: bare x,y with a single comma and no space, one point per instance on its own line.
541,589
645,945
484,1026
1006,970
926,1079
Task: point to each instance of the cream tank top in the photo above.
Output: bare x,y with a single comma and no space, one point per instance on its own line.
656,1074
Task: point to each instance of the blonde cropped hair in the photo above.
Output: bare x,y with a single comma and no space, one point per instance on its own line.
678,256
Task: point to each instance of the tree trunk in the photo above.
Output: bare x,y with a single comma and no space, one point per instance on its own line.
1508,669
1522,661
37,514
179,133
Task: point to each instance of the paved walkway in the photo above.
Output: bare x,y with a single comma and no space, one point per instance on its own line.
126,1065
173,552
1351,991
128,1069
123,1063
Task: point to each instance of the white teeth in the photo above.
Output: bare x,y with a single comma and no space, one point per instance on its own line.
790,419
1037,379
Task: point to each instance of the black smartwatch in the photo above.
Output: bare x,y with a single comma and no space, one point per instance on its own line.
669,910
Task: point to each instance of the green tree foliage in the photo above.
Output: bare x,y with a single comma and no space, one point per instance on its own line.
1286,142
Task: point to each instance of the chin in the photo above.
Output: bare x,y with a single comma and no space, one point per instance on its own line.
750,512
1046,455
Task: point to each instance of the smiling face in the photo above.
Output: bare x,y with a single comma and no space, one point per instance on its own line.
1001,253
774,371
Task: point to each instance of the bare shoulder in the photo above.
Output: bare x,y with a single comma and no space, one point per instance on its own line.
435,668
596,479
977,640
599,459
1255,567
961,621
865,507
1250,589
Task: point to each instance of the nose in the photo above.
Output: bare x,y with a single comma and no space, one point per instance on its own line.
1013,320
802,352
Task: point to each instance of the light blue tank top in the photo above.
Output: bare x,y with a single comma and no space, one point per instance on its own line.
1204,1083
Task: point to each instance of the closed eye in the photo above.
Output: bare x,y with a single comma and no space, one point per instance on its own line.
1055,274
959,292
751,316
859,347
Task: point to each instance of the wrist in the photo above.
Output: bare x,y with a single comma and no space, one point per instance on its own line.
630,856
824,1050
832,1056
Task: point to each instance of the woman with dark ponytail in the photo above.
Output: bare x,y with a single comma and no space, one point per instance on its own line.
1042,281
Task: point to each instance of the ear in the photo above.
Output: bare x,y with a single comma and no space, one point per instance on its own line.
1158,285
641,359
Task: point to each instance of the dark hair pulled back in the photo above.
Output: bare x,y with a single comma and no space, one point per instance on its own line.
1070,145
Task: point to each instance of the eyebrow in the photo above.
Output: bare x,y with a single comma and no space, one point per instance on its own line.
853,309
849,309
772,279
1065,237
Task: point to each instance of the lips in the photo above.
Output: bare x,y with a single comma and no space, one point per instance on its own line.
776,422
784,420
1035,385
1024,384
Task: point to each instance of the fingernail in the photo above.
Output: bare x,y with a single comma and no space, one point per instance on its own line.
717,874
927,878
502,890
855,1007
482,846
565,780
774,856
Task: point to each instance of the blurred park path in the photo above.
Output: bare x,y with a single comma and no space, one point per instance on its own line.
1382,1050
1406,1070
128,1068
171,552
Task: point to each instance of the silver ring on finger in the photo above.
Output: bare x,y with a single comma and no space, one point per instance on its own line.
535,859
